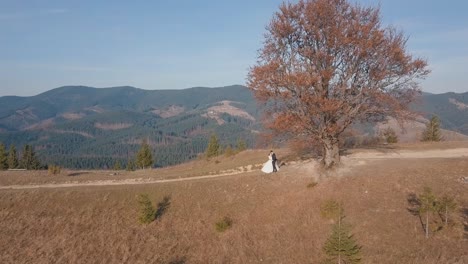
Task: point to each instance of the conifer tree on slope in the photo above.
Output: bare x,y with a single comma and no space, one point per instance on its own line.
144,156
213,147
12,157
432,132
341,247
445,206
3,157
29,160
428,205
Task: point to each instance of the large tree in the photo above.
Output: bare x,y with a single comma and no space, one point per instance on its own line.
327,64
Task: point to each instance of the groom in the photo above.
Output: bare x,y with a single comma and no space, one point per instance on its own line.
273,160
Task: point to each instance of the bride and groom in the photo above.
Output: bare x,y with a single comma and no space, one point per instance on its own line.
271,165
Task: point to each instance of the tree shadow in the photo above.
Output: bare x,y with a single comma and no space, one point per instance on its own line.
77,173
181,260
163,206
464,213
413,207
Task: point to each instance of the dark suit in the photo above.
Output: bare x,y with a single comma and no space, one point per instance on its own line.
273,158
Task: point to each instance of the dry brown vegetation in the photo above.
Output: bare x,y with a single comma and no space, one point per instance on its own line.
275,217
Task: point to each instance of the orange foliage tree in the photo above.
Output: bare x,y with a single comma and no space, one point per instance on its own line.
326,64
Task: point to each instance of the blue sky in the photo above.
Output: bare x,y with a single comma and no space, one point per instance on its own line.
175,44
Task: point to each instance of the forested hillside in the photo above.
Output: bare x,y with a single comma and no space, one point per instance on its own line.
85,127
451,108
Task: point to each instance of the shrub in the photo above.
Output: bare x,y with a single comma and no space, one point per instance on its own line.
147,211
445,206
54,169
390,135
223,224
228,151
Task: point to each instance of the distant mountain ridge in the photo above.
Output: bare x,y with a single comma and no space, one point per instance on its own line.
450,107
86,127
73,99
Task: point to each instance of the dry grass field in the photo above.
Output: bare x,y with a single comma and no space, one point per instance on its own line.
276,217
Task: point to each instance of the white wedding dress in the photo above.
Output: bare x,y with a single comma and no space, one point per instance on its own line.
268,166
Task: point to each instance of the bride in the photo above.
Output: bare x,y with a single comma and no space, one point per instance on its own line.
268,166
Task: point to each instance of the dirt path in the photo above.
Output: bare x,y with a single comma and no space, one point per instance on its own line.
411,154
362,157
117,182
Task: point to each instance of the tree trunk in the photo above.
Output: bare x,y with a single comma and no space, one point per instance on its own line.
427,225
446,215
331,152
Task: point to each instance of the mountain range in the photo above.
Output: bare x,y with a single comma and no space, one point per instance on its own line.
86,127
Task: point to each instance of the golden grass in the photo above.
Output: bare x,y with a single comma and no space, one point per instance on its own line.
276,218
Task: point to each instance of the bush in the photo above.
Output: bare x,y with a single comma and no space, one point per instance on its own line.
228,151
147,211
54,169
223,224
390,135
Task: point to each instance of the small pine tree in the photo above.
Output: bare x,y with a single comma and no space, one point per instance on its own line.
228,151
144,157
12,157
445,206
213,147
147,211
241,145
432,132
117,165
130,165
428,205
341,247
3,157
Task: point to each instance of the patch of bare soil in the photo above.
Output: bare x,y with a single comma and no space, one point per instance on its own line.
73,116
226,107
171,111
112,126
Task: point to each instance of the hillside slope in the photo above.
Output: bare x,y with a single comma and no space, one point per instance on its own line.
276,217
84,127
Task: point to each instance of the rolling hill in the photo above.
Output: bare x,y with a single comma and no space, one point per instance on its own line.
86,127
92,216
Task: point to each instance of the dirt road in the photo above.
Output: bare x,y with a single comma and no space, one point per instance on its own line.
355,159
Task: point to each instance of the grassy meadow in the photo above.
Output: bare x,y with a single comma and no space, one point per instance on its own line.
275,217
